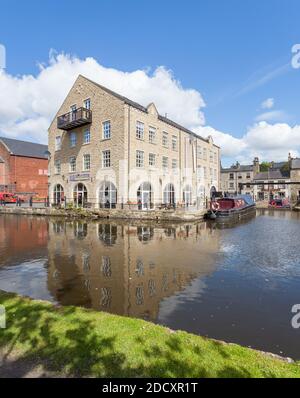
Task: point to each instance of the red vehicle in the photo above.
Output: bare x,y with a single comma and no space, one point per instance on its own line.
279,204
6,197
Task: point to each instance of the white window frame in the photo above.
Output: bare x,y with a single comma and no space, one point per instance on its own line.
165,139
152,159
165,163
84,168
87,102
174,143
73,143
140,130
152,135
106,130
71,164
57,166
85,135
58,143
106,159
139,158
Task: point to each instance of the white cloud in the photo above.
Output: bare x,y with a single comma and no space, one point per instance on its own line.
28,103
268,103
271,116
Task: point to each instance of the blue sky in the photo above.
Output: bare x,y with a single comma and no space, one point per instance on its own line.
235,53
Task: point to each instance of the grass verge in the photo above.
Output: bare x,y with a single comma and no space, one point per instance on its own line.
80,342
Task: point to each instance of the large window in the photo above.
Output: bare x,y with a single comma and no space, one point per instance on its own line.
144,196
169,195
80,195
174,165
107,195
86,136
187,195
165,163
58,194
72,164
106,161
106,130
58,143
174,143
86,162
73,140
139,159
57,166
152,135
165,139
87,103
151,159
139,130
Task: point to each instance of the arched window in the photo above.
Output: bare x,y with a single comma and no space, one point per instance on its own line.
144,196
187,195
107,195
169,195
80,195
58,194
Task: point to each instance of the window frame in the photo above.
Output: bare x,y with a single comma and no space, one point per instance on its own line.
140,159
84,168
105,130
140,130
106,160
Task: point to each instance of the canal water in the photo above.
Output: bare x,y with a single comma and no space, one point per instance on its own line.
236,284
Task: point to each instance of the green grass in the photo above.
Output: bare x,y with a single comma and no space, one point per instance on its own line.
81,342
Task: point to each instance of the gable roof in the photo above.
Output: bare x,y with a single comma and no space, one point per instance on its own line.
234,168
272,175
144,109
25,148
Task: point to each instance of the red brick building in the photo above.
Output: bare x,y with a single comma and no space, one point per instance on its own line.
23,168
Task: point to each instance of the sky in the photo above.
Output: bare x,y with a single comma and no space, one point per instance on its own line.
220,68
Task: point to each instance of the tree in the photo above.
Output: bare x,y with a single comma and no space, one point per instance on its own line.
265,166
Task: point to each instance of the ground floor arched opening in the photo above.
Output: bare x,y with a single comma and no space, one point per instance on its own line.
169,195
80,195
107,195
187,195
144,196
58,194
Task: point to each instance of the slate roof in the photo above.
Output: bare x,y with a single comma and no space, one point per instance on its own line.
272,175
144,109
25,148
247,167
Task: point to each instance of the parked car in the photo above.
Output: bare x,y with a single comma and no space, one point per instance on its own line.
6,197
279,203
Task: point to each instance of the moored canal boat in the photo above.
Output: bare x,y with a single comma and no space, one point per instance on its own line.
224,209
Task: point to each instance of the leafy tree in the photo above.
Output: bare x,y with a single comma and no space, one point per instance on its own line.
265,166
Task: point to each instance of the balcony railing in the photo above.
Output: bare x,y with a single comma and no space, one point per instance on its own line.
77,118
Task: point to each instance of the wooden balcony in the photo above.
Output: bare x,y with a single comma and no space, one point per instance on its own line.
77,118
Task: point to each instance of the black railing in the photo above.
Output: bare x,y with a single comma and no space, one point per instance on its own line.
78,117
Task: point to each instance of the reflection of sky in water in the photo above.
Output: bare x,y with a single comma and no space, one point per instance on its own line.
28,279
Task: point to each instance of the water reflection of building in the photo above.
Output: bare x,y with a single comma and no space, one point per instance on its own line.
22,238
126,269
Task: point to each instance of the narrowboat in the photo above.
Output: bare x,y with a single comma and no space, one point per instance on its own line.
224,209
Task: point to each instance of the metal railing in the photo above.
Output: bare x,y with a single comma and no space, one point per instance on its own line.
75,118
